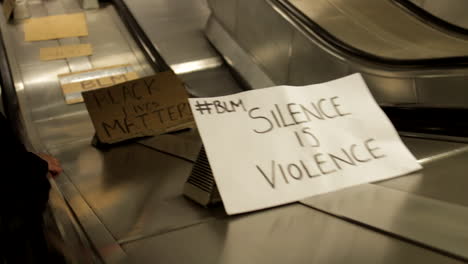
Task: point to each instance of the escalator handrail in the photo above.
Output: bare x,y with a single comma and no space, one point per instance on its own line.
151,53
409,118
428,18
342,47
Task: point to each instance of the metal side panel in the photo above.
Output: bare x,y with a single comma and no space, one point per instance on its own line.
266,36
223,10
311,64
430,223
102,240
174,28
236,57
135,191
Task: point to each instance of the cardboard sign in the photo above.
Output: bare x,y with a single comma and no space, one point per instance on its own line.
74,83
68,51
72,91
8,7
149,106
55,27
282,144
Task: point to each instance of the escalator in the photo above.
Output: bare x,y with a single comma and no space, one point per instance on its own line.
415,65
124,204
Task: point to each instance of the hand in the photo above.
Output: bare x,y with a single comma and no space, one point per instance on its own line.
53,164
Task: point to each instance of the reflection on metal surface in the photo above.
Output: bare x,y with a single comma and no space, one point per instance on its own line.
140,187
288,234
429,222
444,155
199,65
94,74
99,236
424,149
77,247
443,179
213,82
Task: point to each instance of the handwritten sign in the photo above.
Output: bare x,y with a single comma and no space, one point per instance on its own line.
73,90
68,51
282,144
143,107
55,27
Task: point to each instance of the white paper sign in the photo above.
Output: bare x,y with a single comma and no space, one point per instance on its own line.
282,144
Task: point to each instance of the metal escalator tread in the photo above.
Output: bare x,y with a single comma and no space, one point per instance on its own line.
443,51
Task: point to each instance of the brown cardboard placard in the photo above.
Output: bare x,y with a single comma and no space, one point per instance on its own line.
145,107
55,27
8,7
68,51
72,91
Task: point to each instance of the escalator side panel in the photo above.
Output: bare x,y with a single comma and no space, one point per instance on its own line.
224,10
269,41
305,57
311,64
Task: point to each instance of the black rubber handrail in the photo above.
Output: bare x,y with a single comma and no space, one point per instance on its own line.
139,35
429,18
342,47
409,118
429,120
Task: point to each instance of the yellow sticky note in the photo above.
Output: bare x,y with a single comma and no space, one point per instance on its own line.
62,52
55,27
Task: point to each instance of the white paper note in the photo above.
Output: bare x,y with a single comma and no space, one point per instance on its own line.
282,144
